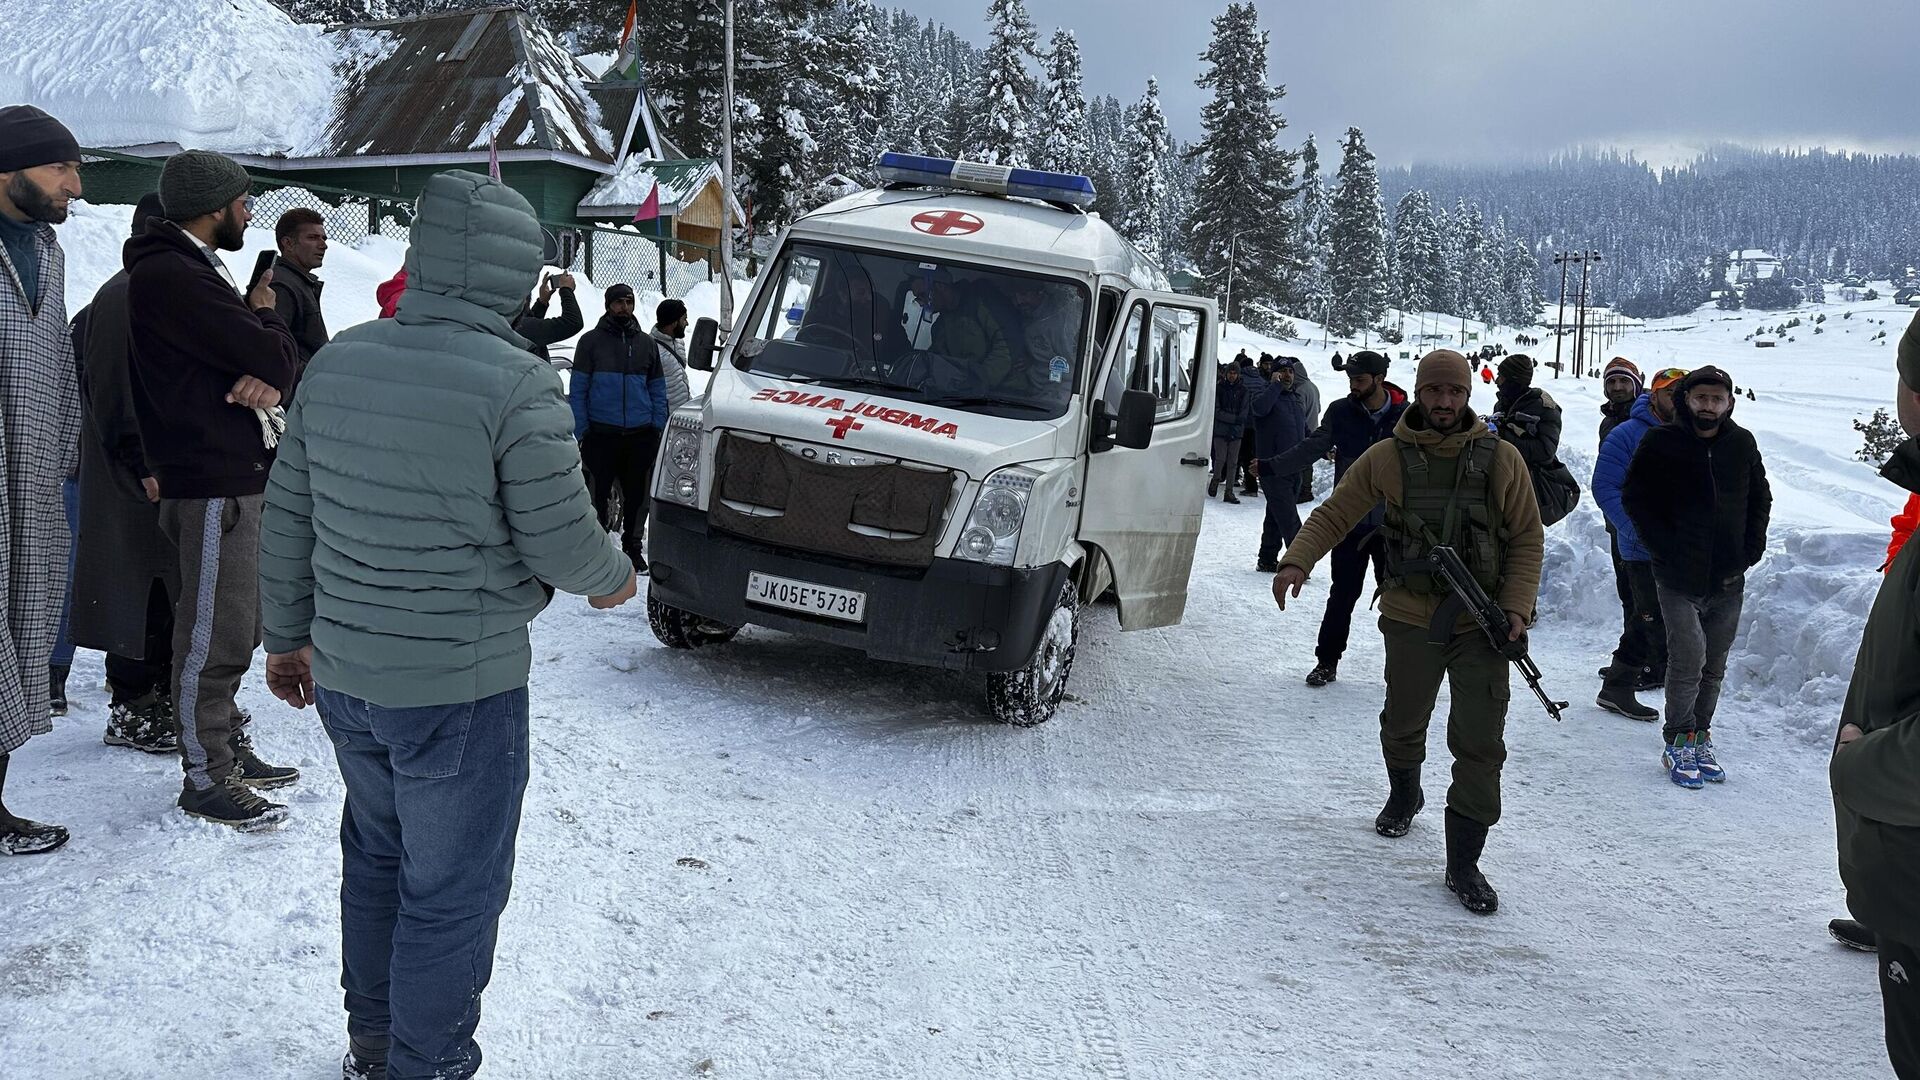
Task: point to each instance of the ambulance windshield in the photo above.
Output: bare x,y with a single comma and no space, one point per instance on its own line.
964,337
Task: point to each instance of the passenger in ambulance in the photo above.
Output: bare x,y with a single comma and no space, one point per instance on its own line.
847,314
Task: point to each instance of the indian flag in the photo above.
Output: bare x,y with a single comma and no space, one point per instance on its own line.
626,62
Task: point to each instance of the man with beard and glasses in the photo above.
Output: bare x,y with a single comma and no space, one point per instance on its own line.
1365,416
39,434
1446,479
1698,498
210,367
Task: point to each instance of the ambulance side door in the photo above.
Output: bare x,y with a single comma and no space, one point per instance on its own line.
1142,506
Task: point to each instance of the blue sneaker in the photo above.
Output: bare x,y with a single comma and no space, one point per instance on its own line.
1682,760
1709,766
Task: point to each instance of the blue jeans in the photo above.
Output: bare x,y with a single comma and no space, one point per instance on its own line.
63,645
427,839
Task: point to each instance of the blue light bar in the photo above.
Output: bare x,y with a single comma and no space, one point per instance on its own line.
897,168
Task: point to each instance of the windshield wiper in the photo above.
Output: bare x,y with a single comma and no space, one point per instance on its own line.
964,400
863,381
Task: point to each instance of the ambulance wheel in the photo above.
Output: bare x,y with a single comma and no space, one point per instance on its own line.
1030,695
679,629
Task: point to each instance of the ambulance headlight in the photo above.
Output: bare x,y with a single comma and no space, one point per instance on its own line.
680,473
992,534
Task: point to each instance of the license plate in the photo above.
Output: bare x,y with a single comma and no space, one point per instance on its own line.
823,600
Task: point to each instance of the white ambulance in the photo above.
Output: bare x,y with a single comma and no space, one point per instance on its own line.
953,411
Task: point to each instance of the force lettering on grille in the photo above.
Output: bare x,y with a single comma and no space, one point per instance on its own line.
843,604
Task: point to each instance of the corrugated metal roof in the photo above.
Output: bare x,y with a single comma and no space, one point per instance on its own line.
444,83
622,192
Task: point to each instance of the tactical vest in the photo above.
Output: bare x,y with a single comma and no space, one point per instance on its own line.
1445,501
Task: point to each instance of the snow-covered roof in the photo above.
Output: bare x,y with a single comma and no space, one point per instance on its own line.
1752,255
236,76
622,191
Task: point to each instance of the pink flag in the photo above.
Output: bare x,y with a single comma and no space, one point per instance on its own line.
493,156
650,209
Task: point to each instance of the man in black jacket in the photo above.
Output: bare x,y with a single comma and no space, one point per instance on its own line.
541,331
1526,416
301,235
210,368
1365,416
127,570
1697,494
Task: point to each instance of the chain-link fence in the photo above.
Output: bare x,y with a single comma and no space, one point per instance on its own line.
603,254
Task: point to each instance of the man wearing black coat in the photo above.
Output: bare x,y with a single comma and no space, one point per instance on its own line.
1697,494
301,234
541,331
1232,407
1529,418
1365,416
127,572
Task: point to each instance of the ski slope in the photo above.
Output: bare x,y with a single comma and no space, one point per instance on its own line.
780,860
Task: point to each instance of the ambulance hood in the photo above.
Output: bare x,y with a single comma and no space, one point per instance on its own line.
861,421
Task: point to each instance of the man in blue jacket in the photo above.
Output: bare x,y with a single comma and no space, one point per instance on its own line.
619,397
1279,423
1365,416
1642,653
1231,408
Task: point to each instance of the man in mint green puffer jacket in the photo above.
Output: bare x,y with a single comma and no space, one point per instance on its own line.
427,486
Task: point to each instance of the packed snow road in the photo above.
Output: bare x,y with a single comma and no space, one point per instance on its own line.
779,860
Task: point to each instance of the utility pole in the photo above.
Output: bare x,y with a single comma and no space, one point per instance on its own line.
1580,318
1561,259
726,179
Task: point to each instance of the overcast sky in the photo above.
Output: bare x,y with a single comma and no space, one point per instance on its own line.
1450,80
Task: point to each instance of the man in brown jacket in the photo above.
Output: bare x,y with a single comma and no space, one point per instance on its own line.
1446,479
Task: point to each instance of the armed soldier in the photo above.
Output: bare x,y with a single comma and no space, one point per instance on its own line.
1447,481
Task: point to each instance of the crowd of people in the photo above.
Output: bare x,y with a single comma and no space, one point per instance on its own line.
386,509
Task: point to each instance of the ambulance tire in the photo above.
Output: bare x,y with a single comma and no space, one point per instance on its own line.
679,629
1029,696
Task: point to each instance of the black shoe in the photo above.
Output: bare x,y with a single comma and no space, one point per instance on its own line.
18,836
1651,680
233,803
1854,936
1323,674
1404,802
1466,838
251,771
1232,498
145,724
366,1058
1213,488
1267,566
1620,700
57,690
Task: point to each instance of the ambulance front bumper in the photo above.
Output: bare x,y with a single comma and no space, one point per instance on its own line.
956,614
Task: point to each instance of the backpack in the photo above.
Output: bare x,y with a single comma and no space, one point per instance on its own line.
1555,489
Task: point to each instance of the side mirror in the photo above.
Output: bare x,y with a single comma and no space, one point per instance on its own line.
1135,428
700,350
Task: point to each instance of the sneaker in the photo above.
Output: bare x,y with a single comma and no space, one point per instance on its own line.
57,690
1682,761
233,803
1710,769
1267,566
248,769
1620,700
146,725
18,836
1323,674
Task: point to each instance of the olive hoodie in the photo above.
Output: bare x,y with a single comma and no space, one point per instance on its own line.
1376,476
1876,778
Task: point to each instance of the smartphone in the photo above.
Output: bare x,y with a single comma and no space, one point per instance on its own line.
261,265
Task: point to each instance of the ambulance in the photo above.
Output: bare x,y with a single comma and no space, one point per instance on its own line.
954,411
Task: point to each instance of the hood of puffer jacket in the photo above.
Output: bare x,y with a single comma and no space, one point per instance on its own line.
474,239
1413,428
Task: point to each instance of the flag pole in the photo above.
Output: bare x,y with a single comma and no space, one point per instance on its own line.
726,182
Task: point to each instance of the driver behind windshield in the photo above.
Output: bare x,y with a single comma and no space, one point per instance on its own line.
847,313
968,328
1050,334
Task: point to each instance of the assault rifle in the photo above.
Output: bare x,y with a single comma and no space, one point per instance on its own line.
1465,594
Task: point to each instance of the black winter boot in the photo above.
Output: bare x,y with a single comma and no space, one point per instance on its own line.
1404,800
1619,699
57,689
1466,838
1323,673
366,1058
1853,935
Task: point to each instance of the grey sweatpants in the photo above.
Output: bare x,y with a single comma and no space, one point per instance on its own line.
216,624
1700,631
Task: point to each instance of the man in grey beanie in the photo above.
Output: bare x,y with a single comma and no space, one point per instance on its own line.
40,414
209,370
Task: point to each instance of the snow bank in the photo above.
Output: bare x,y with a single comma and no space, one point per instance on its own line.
236,76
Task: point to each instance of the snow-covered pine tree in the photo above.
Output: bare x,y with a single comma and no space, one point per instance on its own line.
1062,142
1006,87
335,12
1420,277
1243,218
1310,220
1446,295
1356,241
1107,145
1146,180
1523,291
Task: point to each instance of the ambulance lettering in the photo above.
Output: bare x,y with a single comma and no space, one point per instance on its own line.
846,422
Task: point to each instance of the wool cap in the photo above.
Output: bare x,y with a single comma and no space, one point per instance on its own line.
1517,370
621,291
1620,365
194,183
1442,367
30,138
